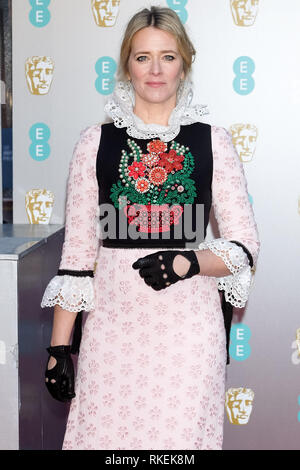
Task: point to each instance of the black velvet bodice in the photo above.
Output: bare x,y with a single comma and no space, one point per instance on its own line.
154,194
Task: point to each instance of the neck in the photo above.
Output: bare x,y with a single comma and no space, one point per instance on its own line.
154,113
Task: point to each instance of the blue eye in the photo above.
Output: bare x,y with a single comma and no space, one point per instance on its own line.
142,58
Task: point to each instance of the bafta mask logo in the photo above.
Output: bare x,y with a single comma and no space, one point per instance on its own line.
244,137
238,403
39,204
244,12
2,353
105,12
298,340
39,74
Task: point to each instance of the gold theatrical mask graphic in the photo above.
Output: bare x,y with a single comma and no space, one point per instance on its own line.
105,12
39,74
244,138
244,12
298,340
238,403
39,204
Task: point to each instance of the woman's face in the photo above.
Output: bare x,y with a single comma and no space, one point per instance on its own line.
155,65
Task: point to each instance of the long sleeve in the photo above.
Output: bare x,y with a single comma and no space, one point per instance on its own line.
235,218
72,287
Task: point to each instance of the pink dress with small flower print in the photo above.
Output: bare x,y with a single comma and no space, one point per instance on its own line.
151,368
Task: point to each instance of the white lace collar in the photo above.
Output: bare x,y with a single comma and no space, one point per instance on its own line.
120,108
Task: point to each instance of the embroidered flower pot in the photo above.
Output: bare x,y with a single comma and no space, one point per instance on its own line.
153,218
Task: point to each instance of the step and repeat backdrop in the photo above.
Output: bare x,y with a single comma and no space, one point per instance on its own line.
65,53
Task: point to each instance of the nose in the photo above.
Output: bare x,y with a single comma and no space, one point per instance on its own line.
246,144
248,6
43,75
155,66
43,210
242,407
109,6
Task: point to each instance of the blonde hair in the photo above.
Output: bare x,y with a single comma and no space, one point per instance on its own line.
162,18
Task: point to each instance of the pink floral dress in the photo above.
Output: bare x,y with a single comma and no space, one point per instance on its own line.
151,367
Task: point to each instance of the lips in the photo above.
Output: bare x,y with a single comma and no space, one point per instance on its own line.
155,83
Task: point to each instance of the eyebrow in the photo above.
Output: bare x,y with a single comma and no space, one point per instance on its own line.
163,52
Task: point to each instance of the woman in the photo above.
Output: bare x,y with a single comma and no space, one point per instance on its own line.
151,368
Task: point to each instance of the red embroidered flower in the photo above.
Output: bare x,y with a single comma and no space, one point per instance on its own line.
156,146
136,169
171,161
158,175
142,185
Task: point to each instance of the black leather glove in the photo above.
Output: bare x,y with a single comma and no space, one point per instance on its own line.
63,374
159,277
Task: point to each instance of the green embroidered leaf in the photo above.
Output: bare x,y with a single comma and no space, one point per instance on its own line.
115,191
175,196
188,164
119,190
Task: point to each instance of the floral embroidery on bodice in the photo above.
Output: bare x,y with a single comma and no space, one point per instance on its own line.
151,182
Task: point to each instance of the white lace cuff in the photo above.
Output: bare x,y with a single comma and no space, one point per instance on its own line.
72,293
236,286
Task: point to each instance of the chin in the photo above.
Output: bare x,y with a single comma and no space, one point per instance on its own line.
158,96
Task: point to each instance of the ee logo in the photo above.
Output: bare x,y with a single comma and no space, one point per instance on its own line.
179,7
39,15
39,135
239,348
106,68
243,68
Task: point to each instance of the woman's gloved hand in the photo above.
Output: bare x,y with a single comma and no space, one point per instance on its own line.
60,379
157,269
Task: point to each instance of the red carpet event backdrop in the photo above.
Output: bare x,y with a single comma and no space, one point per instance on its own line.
65,55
